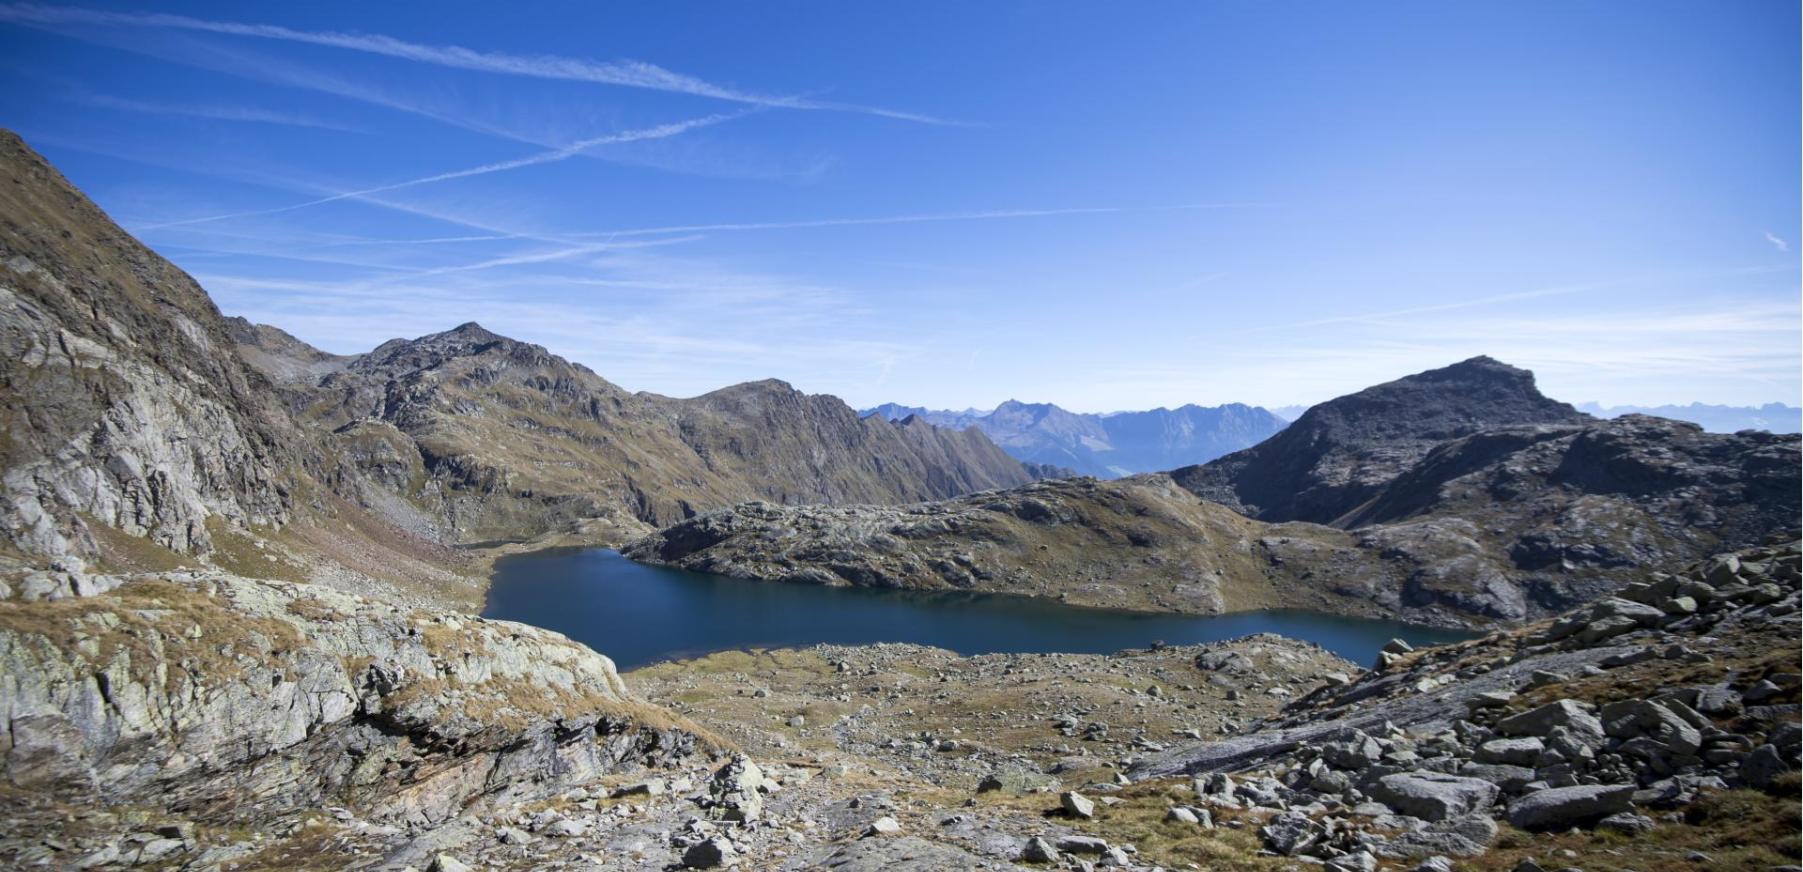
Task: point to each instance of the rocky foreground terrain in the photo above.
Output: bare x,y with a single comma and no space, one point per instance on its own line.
1654,729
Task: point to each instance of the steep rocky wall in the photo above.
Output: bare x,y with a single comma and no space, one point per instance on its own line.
125,403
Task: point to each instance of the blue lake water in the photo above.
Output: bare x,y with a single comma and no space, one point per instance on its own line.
640,614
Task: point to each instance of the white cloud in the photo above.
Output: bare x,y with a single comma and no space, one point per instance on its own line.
1776,242
984,215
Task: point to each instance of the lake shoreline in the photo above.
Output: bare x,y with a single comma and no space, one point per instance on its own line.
642,614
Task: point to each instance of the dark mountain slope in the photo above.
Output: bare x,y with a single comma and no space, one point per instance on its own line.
1340,453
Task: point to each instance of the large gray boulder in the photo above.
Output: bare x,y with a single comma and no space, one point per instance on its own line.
1517,752
1433,796
1572,715
1661,722
1569,806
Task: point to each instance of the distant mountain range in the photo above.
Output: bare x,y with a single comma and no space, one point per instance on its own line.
1775,417
1105,446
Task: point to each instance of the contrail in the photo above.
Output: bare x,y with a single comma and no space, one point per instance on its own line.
556,154
624,73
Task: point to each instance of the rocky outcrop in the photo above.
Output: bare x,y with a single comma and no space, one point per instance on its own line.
226,699
1341,453
281,357
1136,543
1106,446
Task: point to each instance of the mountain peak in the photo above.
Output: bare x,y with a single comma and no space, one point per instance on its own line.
468,331
1339,452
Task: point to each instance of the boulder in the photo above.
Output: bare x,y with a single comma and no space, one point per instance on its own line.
1356,752
1466,836
1572,715
1077,805
1290,832
1559,807
1038,850
1433,796
1627,823
709,854
1082,845
1763,766
1636,718
1517,752
1016,781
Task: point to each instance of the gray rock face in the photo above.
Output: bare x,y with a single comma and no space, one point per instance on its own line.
1763,766
229,698
1517,752
1569,806
709,853
1433,796
905,854
1466,836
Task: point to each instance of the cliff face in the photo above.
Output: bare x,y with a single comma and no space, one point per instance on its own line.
136,436
125,405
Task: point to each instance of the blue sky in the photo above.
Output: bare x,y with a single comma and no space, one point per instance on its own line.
1106,206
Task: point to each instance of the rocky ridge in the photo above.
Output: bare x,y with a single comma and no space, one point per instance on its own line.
476,436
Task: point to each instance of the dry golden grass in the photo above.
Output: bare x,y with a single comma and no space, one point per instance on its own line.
242,554
122,552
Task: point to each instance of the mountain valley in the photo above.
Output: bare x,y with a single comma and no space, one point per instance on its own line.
240,580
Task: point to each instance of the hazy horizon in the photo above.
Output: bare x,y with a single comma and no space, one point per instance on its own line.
1200,203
